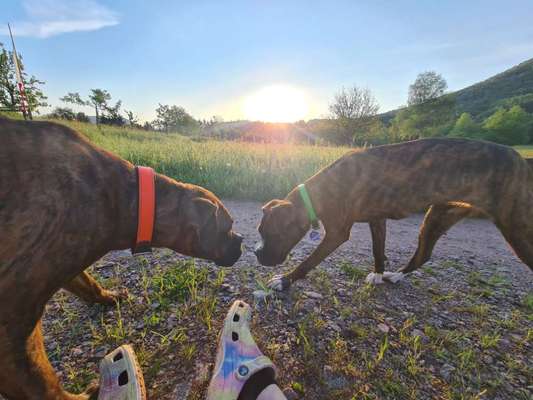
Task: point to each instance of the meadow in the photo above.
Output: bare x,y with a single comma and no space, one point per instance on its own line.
237,170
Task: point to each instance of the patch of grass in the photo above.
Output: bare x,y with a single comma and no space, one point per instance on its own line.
488,340
298,387
528,302
353,272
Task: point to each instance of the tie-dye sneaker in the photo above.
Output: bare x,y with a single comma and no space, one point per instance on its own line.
121,377
238,356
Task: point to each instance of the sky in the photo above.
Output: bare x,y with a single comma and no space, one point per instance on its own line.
262,59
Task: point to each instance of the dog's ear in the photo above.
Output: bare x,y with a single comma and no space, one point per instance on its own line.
203,211
280,211
275,204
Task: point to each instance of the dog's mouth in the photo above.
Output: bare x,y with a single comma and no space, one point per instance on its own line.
266,258
232,254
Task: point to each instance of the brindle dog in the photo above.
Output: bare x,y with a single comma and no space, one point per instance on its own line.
394,181
64,203
437,221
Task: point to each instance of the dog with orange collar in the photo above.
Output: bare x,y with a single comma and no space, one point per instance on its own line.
64,203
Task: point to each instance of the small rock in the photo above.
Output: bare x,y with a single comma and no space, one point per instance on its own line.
335,327
446,371
488,359
383,328
418,332
313,295
76,351
290,394
334,381
260,295
227,287
99,353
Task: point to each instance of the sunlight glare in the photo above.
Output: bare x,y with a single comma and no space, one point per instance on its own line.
278,103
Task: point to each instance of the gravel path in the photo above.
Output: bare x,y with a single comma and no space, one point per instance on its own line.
460,327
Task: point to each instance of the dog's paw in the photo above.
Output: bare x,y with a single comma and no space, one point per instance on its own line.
374,278
111,297
279,283
393,277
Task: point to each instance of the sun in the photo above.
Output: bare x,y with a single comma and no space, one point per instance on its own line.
276,103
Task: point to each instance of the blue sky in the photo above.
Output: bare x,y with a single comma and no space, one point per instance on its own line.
208,56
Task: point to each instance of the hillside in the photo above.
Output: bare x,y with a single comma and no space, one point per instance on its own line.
513,86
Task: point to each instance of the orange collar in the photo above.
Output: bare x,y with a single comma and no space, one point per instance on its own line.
146,213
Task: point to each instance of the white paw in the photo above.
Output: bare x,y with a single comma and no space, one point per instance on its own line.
393,277
277,283
374,279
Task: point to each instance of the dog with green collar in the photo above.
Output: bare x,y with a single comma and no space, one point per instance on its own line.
392,182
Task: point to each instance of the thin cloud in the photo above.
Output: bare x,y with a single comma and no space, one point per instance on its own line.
46,18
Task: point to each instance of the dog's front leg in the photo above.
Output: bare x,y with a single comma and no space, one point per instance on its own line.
331,241
378,229
85,287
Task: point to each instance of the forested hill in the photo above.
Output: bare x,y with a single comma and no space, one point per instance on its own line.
513,86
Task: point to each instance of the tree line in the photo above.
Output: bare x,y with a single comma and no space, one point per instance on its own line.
353,119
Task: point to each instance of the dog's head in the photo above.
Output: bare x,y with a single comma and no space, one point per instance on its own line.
283,225
197,224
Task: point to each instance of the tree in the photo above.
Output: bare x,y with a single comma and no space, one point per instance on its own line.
9,93
508,127
98,99
68,114
110,115
62,113
428,86
174,118
432,118
466,127
132,118
353,110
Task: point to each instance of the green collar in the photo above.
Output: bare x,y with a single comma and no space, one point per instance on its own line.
308,205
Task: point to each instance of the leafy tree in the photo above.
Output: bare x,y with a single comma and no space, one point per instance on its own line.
353,110
174,118
74,98
508,127
98,99
466,127
9,94
132,118
428,86
110,115
82,117
63,113
68,114
432,118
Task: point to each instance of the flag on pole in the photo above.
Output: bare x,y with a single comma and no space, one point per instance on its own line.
24,105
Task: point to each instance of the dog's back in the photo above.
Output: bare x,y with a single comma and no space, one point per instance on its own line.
47,172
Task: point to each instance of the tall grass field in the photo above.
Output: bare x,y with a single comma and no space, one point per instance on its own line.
237,170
